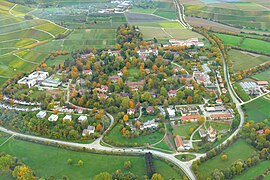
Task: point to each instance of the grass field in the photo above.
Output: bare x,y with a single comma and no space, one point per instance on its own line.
263,76
240,92
244,60
116,137
234,153
258,110
184,129
54,161
259,46
254,171
218,126
185,157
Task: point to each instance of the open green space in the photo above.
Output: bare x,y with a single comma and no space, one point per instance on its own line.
185,157
258,110
254,171
185,130
116,137
262,76
163,146
244,60
230,40
54,161
240,92
233,152
218,126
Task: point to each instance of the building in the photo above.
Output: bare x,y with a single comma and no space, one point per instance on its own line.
149,109
221,116
188,42
189,86
147,52
171,112
215,109
102,96
179,143
212,133
88,131
202,133
67,118
135,85
51,83
149,124
34,78
224,90
172,93
193,118
114,79
219,101
262,83
41,114
53,117
131,111
87,72
82,118
250,88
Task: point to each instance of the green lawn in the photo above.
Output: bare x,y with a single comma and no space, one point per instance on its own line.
51,161
256,45
143,10
184,129
163,145
254,171
230,40
245,60
234,153
116,137
218,126
240,92
258,110
185,157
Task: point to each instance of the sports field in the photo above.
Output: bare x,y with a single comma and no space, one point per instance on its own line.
258,110
54,162
244,60
234,153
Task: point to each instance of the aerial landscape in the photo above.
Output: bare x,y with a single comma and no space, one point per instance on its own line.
135,89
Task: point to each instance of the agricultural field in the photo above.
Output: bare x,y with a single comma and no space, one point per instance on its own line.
256,45
258,110
233,152
18,36
262,76
240,15
244,60
54,161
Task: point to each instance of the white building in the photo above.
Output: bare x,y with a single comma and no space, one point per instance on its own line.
53,117
41,114
149,124
82,118
67,118
171,112
89,130
34,78
51,83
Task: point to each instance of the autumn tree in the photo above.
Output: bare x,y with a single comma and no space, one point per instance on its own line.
224,157
99,128
125,118
23,173
103,176
157,176
189,99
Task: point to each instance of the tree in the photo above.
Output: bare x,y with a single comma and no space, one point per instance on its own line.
224,157
69,161
99,128
201,120
80,163
157,176
103,176
127,165
6,162
189,99
23,173
125,118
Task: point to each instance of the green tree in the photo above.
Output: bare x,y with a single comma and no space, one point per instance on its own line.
127,165
157,176
6,162
103,176
80,163
69,161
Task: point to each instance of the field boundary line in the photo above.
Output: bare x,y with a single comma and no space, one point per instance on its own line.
43,31
12,24
7,140
163,29
10,40
24,59
12,9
